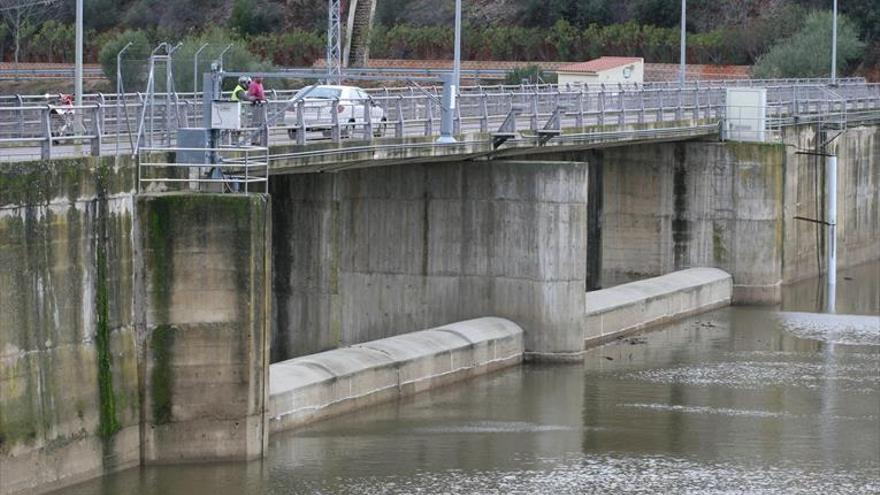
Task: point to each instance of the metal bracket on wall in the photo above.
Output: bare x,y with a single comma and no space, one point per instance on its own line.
508,128
553,127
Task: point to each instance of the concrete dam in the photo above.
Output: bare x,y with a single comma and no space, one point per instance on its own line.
144,327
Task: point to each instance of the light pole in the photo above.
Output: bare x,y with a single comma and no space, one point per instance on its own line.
834,46
451,82
77,77
682,54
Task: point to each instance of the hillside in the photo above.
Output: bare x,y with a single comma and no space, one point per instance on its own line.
290,32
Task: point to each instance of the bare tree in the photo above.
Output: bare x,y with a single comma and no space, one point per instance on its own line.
22,17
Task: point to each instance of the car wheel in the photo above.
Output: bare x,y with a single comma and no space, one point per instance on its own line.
348,130
291,133
380,129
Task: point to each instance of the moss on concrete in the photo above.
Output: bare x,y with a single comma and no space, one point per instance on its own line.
108,423
162,377
720,254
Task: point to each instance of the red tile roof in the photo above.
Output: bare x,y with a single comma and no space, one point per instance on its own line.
600,64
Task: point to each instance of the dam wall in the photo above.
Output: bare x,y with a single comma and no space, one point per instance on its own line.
133,329
366,254
663,207
69,367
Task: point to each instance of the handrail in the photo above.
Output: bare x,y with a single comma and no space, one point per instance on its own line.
410,113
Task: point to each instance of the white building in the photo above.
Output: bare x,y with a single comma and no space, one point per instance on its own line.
604,70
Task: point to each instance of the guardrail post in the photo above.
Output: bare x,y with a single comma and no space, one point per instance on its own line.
398,126
429,121
97,126
46,124
484,112
300,123
579,118
707,108
641,106
368,120
456,122
102,104
601,117
20,102
264,123
335,134
679,108
621,116
660,110
533,120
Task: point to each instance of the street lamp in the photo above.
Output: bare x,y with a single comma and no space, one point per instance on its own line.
682,55
834,46
451,83
78,69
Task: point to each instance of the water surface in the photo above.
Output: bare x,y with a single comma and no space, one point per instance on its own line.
739,400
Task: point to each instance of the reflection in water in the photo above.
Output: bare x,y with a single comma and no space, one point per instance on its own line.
858,292
725,402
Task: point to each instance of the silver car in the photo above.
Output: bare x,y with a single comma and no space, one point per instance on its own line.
347,102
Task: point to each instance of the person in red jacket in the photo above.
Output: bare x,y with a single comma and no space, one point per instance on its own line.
255,90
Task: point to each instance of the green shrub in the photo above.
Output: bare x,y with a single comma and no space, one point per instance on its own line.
808,52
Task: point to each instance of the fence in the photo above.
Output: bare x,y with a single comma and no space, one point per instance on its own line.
110,124
241,169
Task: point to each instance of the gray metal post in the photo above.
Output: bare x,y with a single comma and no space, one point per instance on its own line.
220,58
447,107
97,127
46,124
196,69
451,82
683,41
169,84
120,91
831,232
78,76
834,46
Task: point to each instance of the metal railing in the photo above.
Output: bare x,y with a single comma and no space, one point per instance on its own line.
108,124
240,169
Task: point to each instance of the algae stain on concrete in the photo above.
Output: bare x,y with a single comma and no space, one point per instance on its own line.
162,377
720,254
108,423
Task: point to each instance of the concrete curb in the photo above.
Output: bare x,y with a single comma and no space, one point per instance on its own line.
318,386
634,306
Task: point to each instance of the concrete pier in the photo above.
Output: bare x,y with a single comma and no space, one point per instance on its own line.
366,254
205,269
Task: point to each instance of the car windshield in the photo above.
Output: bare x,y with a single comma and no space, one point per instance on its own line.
321,92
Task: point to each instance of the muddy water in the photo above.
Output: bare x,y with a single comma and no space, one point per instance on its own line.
739,400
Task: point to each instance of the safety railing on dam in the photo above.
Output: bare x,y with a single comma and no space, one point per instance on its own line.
125,123
240,169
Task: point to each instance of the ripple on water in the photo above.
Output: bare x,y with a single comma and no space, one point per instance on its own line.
722,411
752,375
493,427
831,328
614,474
